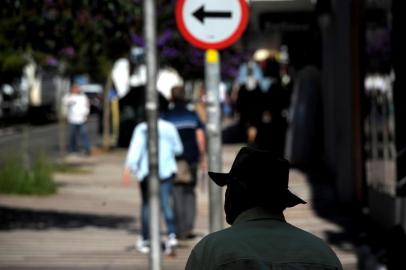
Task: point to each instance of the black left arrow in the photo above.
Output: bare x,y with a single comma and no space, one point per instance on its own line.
201,14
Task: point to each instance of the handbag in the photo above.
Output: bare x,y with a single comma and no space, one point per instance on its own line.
183,173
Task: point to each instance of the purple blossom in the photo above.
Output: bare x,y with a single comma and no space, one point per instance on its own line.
170,52
162,39
235,60
49,2
51,61
231,72
137,40
197,52
68,51
197,61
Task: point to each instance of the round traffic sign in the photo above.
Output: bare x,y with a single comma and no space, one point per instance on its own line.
211,24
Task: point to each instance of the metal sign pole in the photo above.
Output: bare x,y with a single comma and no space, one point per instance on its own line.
212,26
212,81
152,118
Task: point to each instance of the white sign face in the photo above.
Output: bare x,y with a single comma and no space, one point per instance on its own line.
212,29
212,22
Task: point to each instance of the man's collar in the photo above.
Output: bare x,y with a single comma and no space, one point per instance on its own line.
256,214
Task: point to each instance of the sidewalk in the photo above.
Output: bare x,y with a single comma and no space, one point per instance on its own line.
93,221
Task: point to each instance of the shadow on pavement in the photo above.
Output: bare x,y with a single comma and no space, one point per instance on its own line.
326,204
373,246
23,218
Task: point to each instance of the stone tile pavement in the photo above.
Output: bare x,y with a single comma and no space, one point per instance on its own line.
93,221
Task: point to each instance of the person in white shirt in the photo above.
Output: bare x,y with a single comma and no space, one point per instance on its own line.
77,108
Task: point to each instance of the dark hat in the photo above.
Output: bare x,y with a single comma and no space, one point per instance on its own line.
260,173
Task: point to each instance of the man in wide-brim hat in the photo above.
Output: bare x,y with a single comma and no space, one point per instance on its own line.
259,237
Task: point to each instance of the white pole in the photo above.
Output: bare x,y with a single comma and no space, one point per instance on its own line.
151,107
212,80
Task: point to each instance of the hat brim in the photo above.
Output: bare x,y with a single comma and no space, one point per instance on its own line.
221,179
292,199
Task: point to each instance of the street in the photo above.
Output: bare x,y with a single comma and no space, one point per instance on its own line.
43,138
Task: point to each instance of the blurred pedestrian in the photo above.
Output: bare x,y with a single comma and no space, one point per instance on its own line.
192,134
170,145
250,100
200,105
272,129
259,237
77,108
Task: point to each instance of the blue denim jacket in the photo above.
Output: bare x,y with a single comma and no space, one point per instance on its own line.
170,146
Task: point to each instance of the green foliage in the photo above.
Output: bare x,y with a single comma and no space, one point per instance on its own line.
11,61
103,67
15,178
89,35
83,34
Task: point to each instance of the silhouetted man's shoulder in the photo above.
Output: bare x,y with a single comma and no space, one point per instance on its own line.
206,255
263,243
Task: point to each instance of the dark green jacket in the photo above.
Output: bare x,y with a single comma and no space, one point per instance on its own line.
260,240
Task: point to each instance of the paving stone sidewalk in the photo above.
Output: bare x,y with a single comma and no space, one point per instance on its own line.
93,221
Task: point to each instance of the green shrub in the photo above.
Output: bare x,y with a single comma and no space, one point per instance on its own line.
15,178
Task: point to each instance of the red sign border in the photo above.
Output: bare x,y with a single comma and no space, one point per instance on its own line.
217,45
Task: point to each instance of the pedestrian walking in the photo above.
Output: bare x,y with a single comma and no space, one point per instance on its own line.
259,237
76,107
170,145
192,134
249,103
272,129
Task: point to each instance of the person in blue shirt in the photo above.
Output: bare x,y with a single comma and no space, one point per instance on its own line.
170,145
192,134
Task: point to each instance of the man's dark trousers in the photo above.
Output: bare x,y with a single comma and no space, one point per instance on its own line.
184,199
